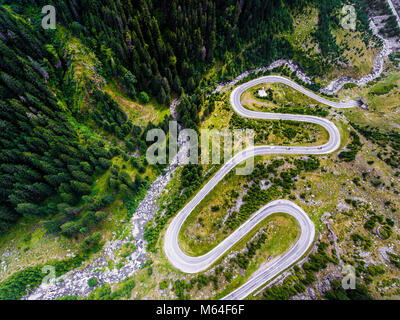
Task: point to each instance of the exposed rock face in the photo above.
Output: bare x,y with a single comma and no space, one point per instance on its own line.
362,104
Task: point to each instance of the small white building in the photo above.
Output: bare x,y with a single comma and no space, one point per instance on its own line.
261,92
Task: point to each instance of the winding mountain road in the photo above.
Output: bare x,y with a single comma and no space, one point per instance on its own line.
190,264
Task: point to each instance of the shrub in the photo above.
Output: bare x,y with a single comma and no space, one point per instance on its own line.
374,270
101,215
164,284
144,97
92,282
69,229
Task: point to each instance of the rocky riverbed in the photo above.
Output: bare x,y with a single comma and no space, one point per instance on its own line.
389,46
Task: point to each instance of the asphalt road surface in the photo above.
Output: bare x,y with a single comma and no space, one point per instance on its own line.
190,264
